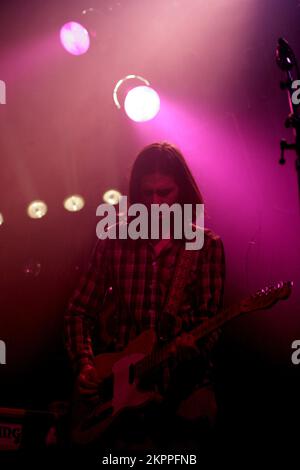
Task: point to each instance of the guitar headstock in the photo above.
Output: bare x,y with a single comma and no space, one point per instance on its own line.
265,298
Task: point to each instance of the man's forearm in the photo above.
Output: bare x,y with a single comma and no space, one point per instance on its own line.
77,339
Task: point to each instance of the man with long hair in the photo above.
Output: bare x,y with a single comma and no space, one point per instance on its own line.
136,276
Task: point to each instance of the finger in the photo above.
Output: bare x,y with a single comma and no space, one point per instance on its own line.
93,379
93,399
87,384
89,379
90,382
87,391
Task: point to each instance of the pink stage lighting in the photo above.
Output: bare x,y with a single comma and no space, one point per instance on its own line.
74,38
142,103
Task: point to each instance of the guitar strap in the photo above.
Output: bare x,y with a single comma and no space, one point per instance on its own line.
168,323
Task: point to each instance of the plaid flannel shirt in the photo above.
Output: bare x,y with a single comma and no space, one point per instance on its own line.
139,279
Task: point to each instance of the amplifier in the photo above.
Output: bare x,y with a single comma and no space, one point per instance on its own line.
24,429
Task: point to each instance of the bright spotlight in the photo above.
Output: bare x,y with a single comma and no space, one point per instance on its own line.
74,38
74,203
37,209
112,196
142,103
1,219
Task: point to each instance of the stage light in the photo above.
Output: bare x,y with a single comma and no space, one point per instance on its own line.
74,203
90,27
112,196
142,104
37,209
1,219
75,38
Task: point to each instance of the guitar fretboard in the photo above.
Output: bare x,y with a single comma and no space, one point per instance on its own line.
160,355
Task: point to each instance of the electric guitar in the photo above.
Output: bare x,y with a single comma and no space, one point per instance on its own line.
121,373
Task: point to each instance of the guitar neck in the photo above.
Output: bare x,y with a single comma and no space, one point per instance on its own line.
162,354
262,299
216,322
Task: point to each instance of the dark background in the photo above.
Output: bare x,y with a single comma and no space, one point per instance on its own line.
213,64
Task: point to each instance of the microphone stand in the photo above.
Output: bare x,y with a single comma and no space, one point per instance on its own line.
287,62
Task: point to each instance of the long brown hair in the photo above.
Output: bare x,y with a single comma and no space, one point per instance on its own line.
163,157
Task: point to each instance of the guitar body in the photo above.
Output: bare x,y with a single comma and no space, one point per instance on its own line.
89,422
